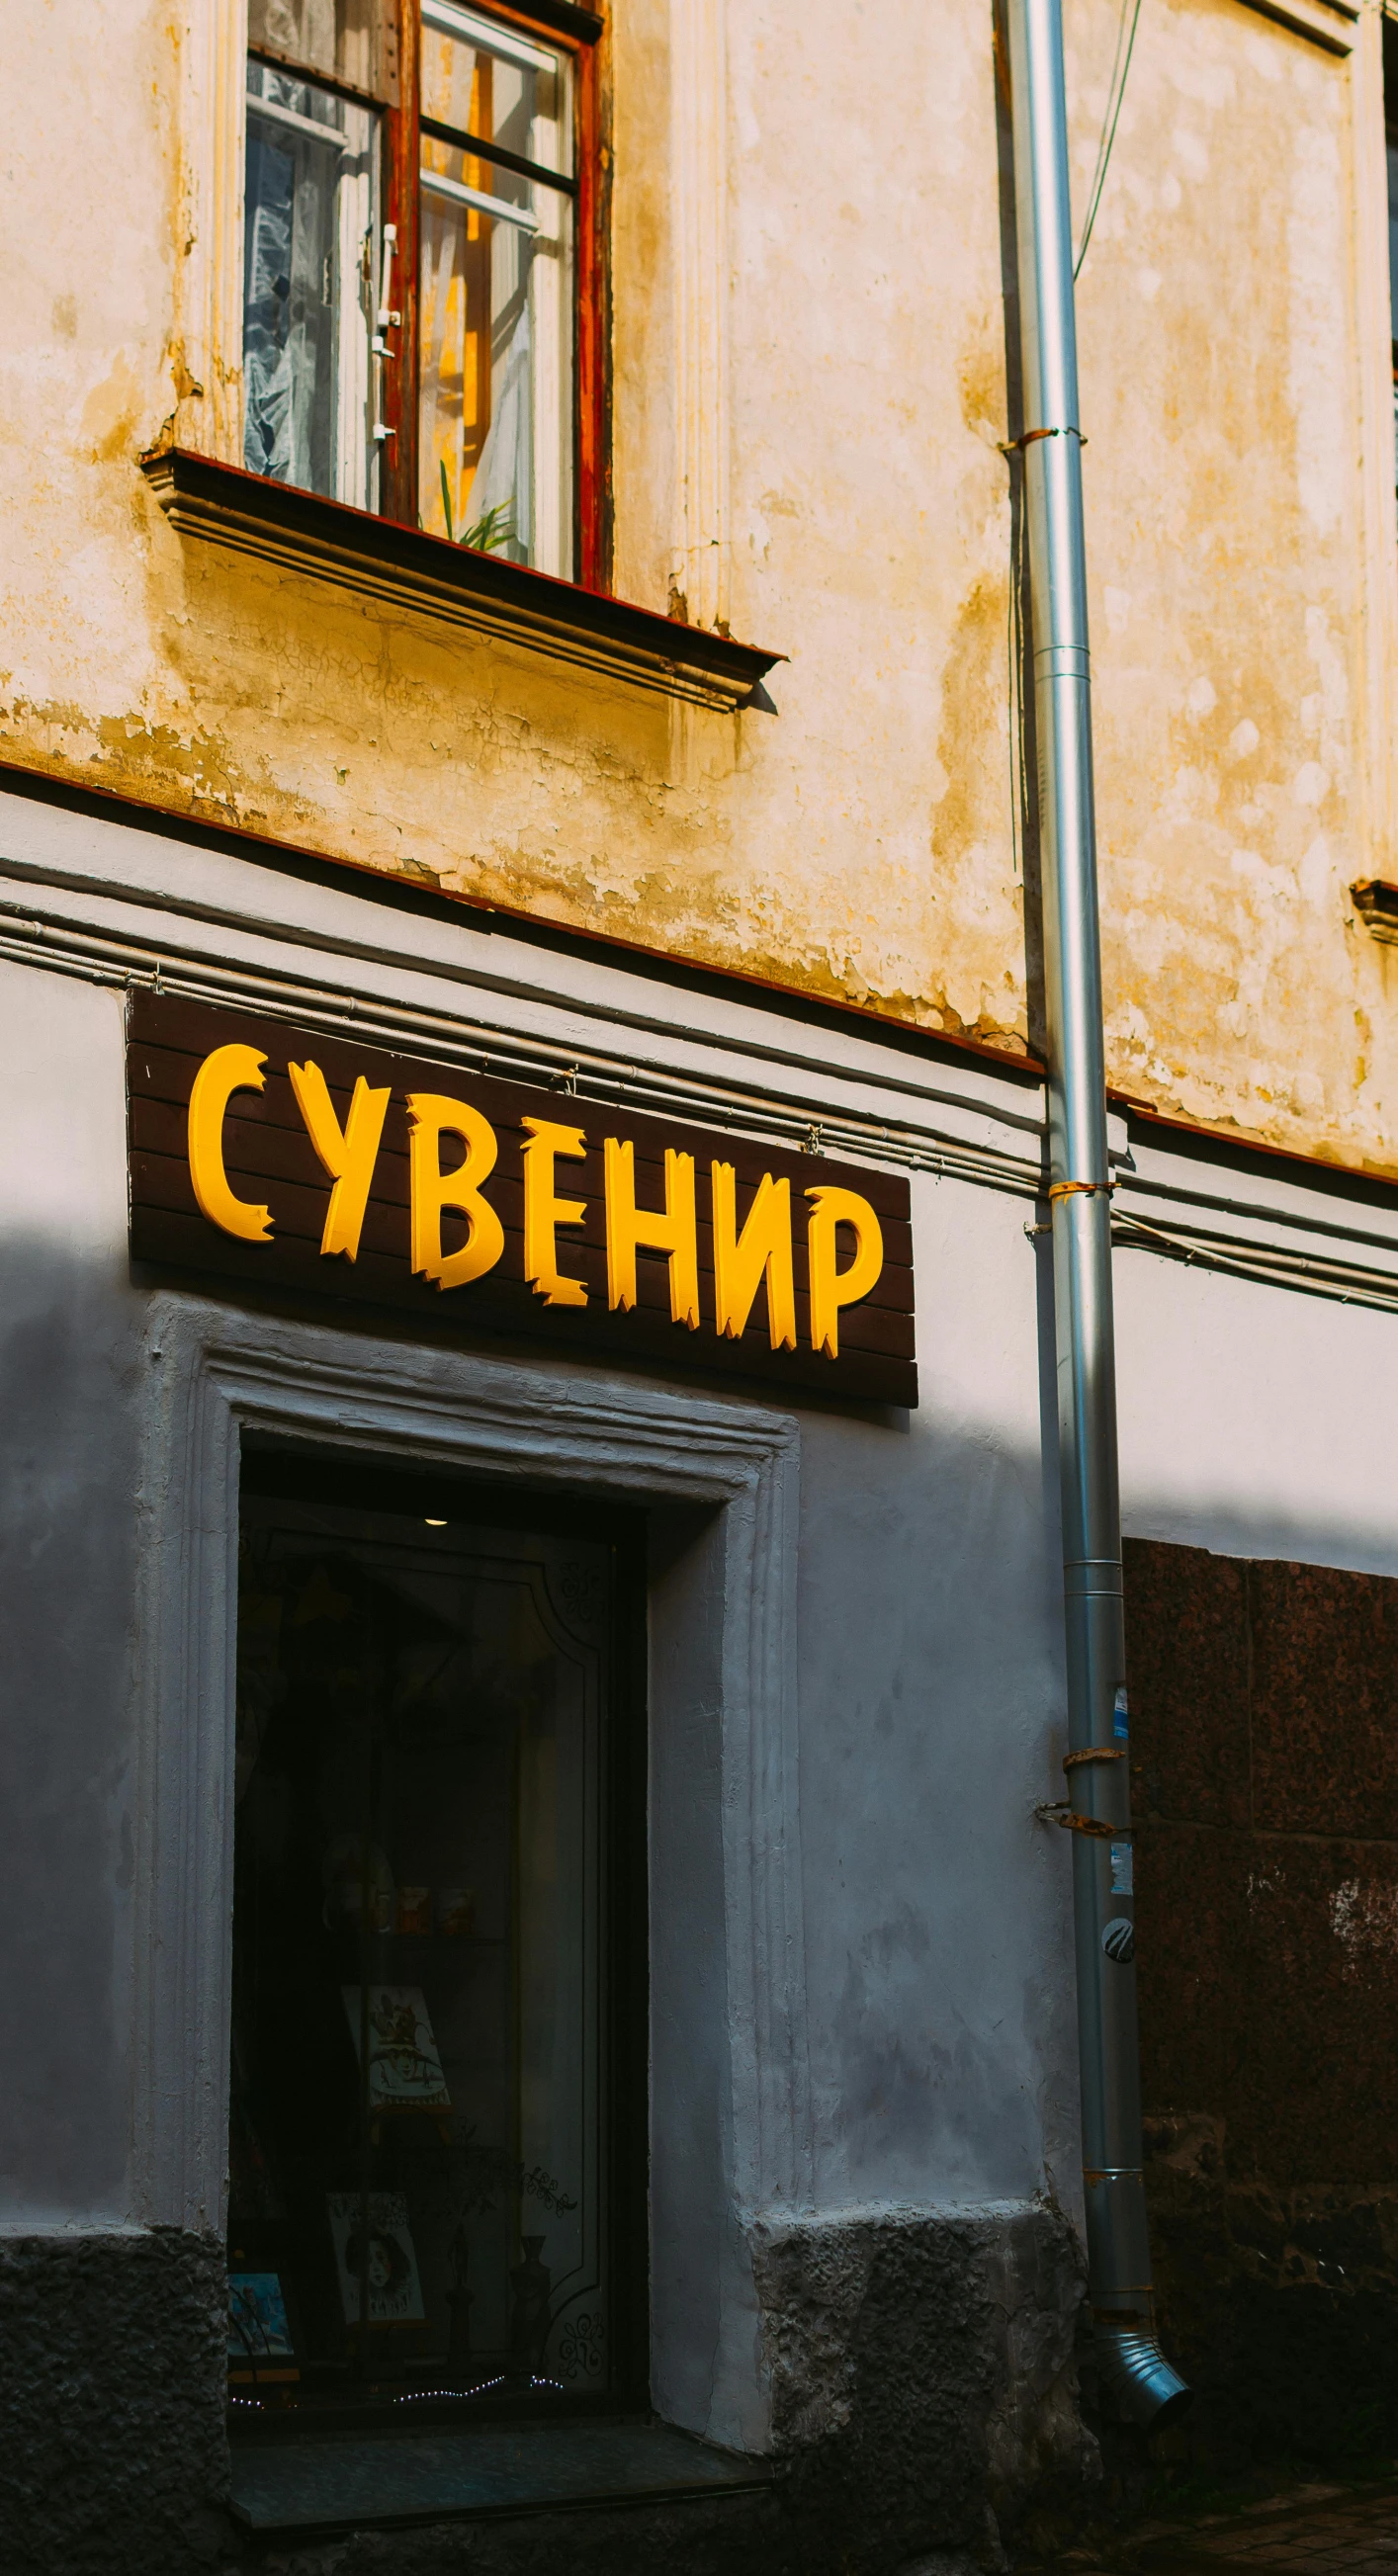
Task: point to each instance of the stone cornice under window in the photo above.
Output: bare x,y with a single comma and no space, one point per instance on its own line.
358,551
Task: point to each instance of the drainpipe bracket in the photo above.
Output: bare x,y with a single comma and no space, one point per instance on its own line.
1060,1813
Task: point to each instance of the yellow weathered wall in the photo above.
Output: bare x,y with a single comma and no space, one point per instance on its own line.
1221,392
860,842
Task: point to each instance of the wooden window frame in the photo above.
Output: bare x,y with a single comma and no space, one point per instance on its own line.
582,35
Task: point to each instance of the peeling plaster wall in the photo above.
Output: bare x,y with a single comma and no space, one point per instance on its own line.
1221,389
861,844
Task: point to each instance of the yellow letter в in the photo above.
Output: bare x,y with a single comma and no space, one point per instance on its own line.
431,1116
672,1231
741,1259
831,1288
228,1069
349,1157
542,1211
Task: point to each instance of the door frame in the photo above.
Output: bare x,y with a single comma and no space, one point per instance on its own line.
730,2105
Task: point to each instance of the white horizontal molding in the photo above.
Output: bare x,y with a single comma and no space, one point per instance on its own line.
810,1121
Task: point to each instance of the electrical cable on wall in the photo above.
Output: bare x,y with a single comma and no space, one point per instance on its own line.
1014,645
1116,92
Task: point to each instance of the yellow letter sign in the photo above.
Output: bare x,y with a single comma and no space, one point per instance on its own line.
740,1260
431,1117
349,1157
831,1288
228,1069
672,1231
542,1211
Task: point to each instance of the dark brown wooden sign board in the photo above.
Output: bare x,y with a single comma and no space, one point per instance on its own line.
269,1158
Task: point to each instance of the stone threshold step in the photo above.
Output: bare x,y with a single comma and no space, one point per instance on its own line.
336,2483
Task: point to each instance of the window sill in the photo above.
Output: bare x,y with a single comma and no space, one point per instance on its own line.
422,2477
356,550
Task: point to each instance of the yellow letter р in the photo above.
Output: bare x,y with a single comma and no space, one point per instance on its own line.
228,1069
831,1288
430,1117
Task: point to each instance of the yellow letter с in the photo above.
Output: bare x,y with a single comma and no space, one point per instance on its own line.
228,1069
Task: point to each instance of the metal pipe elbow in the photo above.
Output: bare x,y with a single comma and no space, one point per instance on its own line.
1137,2377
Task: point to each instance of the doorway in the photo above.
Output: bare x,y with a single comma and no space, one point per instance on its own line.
438,2086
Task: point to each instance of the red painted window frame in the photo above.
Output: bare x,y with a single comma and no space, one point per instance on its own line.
591,428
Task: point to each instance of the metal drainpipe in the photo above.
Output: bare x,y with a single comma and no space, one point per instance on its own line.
1133,2368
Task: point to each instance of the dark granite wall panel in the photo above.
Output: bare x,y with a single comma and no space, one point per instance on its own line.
1188,1655
1324,1701
1192,1913
113,2458
1264,1707
1318,2102
924,2397
923,2382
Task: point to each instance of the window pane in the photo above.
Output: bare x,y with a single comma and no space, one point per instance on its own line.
497,86
496,304
418,2153
310,228
347,40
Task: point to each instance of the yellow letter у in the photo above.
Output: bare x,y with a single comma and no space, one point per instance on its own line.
349,1157
228,1069
831,1288
741,1259
673,1232
431,1116
542,1211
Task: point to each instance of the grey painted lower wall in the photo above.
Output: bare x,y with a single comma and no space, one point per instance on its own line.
923,2398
